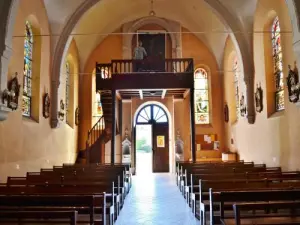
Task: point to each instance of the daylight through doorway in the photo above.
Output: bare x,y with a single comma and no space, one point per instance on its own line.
143,149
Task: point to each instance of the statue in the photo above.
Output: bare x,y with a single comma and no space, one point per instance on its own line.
61,113
126,148
243,108
179,147
77,113
11,96
258,99
226,113
46,105
292,83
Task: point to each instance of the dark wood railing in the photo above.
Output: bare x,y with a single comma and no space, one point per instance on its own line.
149,65
94,142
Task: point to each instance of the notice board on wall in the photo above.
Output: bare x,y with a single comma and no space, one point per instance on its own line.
206,141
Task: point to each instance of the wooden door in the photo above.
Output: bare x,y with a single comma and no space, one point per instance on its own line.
160,147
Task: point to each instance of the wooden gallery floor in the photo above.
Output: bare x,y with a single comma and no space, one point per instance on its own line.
155,200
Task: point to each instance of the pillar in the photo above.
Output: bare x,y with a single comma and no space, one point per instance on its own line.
113,127
193,139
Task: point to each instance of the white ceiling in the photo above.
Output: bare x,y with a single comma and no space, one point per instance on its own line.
108,15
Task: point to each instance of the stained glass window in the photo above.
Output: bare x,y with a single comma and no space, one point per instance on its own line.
277,60
236,87
152,113
98,111
201,96
98,105
67,86
27,79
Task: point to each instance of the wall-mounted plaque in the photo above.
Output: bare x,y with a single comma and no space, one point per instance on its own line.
160,140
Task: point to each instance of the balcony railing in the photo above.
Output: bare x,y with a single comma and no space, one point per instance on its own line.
149,65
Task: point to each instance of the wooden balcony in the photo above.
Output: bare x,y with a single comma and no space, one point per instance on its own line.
145,74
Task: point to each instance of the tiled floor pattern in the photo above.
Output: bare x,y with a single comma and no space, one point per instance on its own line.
155,200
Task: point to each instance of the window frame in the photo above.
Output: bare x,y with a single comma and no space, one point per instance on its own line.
236,77
68,88
196,90
277,64
27,74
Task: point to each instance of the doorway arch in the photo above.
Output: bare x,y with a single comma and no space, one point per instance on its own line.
156,115
150,114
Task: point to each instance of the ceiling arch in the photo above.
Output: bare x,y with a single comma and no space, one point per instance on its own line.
199,16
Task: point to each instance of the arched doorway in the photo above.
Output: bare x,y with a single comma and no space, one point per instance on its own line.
152,126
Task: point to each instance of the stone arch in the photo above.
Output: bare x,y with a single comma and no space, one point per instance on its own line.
131,28
231,21
171,127
241,41
294,11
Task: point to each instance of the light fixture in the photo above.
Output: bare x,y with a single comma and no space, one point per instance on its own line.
152,12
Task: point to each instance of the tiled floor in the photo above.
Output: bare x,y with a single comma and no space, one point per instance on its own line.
155,200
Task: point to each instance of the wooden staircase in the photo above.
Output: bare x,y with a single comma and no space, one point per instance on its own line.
97,136
106,100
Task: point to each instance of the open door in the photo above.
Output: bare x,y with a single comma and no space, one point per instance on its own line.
160,139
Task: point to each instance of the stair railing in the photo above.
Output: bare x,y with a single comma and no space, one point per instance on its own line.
93,135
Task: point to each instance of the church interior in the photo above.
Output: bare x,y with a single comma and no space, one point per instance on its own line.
94,92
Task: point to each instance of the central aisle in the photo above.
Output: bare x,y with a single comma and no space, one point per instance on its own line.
155,200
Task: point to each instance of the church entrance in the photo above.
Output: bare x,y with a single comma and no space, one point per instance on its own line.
152,140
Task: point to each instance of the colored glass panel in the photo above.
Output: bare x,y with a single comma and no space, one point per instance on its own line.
278,67
201,94
27,70
152,113
67,86
26,105
99,110
236,87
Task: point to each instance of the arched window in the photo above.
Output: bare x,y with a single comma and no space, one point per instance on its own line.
201,96
236,86
27,80
99,110
277,60
152,114
67,87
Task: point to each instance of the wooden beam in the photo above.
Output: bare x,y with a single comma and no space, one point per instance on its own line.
186,93
119,97
141,94
164,92
147,81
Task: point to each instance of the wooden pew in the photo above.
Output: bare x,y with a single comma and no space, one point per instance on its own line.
288,217
278,176
119,176
187,181
66,190
192,168
16,216
180,171
127,168
58,181
81,203
262,184
233,197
